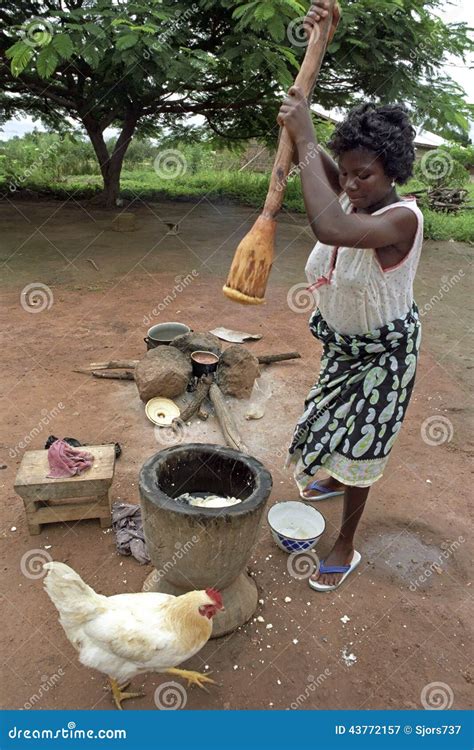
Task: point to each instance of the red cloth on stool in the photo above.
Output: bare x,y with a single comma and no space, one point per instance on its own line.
66,461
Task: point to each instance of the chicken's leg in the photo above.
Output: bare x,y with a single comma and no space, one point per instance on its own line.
193,678
119,695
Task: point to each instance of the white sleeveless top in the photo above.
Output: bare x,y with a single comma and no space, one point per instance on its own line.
352,291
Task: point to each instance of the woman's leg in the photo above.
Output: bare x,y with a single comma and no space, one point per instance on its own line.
341,553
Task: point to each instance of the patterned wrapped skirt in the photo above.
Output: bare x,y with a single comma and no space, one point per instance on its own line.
355,410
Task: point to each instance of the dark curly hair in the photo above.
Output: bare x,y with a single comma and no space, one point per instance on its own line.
386,130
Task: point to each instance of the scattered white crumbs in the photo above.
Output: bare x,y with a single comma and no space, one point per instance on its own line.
48,546
344,619
236,666
278,682
260,601
295,641
269,626
13,528
260,618
349,659
287,599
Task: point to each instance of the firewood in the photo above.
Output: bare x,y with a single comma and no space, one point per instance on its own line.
197,398
226,420
267,359
114,375
114,364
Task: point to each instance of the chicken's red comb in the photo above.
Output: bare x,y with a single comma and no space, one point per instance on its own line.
215,596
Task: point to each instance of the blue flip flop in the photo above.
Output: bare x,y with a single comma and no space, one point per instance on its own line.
325,493
345,569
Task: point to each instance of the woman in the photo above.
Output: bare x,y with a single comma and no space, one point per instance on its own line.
361,272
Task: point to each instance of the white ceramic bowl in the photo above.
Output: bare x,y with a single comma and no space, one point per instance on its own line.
295,527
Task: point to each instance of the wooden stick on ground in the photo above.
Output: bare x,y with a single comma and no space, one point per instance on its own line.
114,364
114,375
110,375
267,359
132,363
226,420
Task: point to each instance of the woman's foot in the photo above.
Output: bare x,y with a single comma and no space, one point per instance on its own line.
330,484
341,554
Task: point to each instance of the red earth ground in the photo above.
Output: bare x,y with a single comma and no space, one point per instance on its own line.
405,614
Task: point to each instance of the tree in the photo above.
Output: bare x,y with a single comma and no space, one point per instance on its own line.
140,65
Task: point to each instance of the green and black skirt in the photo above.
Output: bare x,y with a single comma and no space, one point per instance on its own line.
355,410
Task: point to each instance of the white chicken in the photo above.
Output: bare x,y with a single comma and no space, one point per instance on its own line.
129,634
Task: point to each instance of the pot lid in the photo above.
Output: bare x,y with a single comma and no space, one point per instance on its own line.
161,411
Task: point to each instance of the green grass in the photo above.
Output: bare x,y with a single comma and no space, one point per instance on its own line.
245,188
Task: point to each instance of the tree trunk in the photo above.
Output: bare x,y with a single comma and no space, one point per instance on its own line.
110,164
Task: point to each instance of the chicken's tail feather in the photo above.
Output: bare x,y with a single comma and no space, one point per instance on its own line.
75,601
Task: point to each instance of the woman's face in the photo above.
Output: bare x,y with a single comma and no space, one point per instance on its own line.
362,177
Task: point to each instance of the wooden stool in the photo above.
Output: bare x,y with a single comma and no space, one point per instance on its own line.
64,499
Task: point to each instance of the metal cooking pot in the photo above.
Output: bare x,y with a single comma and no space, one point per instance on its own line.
163,334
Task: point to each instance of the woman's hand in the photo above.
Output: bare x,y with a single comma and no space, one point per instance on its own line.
318,13
295,116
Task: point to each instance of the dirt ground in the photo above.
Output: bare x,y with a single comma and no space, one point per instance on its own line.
398,625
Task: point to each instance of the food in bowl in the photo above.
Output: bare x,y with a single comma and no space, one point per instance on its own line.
295,526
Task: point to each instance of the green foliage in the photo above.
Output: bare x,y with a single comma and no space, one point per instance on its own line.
216,182
324,130
440,168
46,157
462,154
146,66
217,52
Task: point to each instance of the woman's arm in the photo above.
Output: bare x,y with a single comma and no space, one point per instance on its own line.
329,165
334,227
329,222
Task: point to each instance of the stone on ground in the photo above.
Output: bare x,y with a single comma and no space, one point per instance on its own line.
164,371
